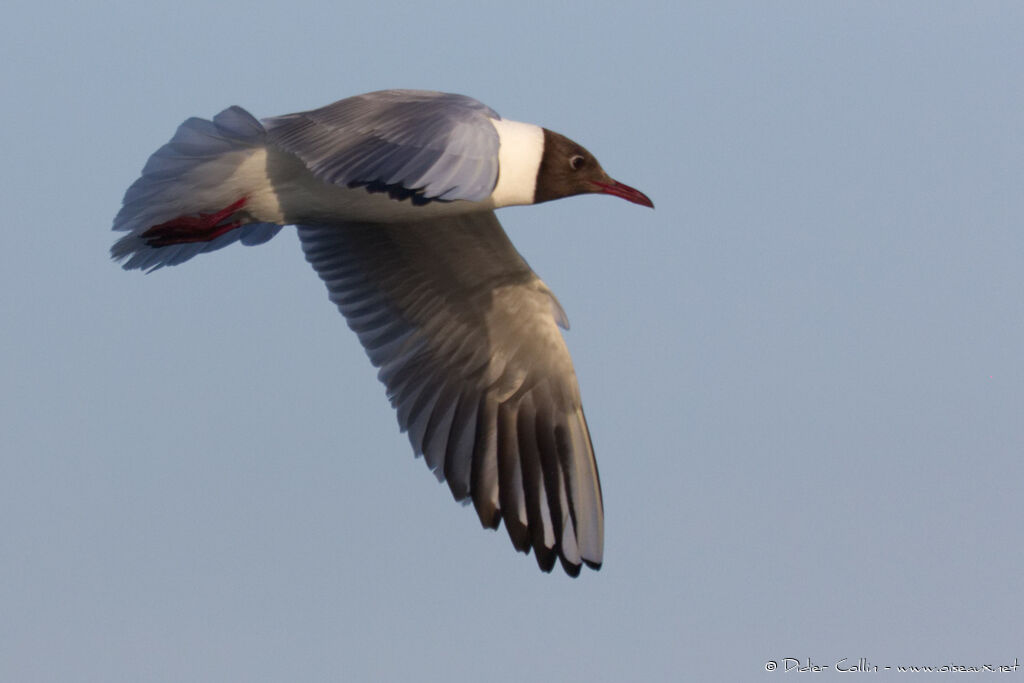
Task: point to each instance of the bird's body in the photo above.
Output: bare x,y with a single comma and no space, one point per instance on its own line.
393,195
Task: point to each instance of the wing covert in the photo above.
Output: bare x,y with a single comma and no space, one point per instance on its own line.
439,146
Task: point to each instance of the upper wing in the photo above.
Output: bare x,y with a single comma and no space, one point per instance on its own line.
439,145
465,336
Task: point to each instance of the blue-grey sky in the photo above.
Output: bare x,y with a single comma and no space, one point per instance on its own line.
803,371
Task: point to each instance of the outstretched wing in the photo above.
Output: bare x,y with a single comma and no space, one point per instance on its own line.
437,145
466,338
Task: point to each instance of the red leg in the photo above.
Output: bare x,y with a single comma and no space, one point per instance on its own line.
201,228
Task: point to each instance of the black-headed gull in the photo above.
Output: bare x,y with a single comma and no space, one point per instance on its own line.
393,195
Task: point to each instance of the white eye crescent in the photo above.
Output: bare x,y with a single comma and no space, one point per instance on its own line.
576,161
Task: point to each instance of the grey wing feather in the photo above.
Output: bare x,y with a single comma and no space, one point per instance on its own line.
466,339
439,145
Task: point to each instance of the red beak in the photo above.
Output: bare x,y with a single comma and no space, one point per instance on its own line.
617,189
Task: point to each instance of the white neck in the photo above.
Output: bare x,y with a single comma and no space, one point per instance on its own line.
521,146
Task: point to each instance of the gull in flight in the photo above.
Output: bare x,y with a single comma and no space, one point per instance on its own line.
393,195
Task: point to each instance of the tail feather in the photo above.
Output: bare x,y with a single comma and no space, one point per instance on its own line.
189,176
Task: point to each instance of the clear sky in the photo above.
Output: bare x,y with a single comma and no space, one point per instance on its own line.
803,371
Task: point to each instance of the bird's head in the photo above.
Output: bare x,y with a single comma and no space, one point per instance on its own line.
567,169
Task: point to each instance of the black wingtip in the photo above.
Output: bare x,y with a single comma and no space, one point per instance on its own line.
490,518
545,559
520,535
571,569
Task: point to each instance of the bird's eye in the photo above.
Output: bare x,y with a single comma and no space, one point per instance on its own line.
576,162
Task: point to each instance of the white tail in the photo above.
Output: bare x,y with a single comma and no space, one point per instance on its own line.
192,175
